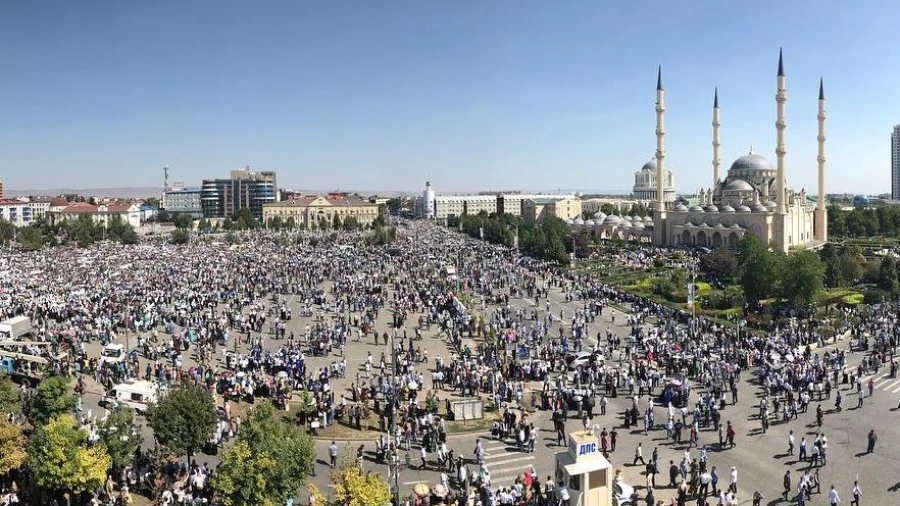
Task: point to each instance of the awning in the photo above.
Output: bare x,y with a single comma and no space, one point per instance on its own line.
585,465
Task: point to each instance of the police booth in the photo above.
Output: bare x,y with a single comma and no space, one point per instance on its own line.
584,471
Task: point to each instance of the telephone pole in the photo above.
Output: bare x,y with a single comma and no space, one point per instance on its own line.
394,457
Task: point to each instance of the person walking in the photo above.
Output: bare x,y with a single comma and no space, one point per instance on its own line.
787,485
332,453
638,455
734,480
791,443
833,498
856,493
872,439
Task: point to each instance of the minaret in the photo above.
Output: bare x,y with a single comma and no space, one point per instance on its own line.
820,232
780,122
660,141
659,211
715,141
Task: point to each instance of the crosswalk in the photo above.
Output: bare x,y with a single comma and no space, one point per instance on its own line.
883,382
506,463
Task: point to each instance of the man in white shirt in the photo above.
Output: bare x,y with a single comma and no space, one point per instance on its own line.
833,498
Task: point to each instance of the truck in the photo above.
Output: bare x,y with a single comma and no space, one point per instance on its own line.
15,327
26,369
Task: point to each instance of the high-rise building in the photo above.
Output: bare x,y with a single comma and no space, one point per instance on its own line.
895,163
222,198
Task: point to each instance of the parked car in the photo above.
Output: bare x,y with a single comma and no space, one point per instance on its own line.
582,359
622,493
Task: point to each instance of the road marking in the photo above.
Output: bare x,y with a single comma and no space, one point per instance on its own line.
886,386
506,470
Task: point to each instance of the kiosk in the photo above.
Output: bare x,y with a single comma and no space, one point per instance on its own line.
585,472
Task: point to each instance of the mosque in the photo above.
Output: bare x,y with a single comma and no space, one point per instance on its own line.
752,199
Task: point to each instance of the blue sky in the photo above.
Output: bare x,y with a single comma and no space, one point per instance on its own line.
470,94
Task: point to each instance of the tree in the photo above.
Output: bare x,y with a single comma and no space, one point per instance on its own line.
353,487
269,462
246,215
801,278
61,459
759,270
351,223
720,264
10,400
183,221
152,202
394,205
163,216
240,477
117,435
54,397
887,276
31,238
607,209
336,222
180,236
12,446
183,420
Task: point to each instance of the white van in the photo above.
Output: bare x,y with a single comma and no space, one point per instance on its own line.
135,394
113,353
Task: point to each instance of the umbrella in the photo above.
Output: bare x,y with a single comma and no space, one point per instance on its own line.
420,489
413,385
439,490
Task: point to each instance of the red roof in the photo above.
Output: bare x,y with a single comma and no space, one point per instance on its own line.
58,202
80,207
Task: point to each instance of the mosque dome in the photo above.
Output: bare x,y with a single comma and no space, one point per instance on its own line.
650,166
599,217
696,209
680,207
759,208
638,224
739,185
712,208
579,221
743,209
612,219
648,219
860,201
726,209
589,223
750,164
569,221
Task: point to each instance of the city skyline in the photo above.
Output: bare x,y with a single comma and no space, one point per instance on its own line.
469,96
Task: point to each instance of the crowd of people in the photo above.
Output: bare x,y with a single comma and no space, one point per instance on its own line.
220,315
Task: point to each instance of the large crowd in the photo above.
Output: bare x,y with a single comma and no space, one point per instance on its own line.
217,314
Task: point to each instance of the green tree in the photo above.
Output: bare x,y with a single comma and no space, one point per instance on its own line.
720,264
353,487
31,238
12,446
180,236
54,397
351,223
887,276
275,223
152,202
117,435
802,278
291,223
270,461
245,214
183,420
607,209
183,221
394,205
163,216
10,399
759,270
61,459
336,222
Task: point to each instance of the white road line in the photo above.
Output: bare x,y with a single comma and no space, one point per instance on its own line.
505,470
885,386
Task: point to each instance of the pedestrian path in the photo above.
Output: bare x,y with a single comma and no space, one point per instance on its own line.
505,463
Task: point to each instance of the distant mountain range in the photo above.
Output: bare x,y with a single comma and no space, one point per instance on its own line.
124,192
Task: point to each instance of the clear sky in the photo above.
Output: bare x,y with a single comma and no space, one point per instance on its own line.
470,94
